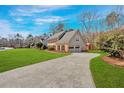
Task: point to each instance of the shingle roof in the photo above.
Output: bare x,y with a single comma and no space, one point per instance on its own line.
66,38
57,35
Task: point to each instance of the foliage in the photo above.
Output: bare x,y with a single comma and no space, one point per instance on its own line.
18,40
44,47
86,20
29,41
114,53
96,51
32,44
55,28
112,18
51,48
111,41
39,45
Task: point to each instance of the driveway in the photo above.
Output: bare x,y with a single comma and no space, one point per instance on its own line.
5,48
67,72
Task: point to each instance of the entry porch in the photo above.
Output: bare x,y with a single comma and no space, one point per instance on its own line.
67,48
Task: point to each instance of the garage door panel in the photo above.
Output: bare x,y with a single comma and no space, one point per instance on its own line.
71,49
75,49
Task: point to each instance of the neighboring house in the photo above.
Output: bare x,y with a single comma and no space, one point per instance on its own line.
3,42
67,41
42,39
37,39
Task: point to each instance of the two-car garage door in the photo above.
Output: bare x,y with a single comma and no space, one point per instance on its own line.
75,49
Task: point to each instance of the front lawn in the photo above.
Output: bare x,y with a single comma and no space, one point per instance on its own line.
11,59
105,75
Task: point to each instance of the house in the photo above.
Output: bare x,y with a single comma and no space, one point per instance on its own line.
3,42
67,41
44,40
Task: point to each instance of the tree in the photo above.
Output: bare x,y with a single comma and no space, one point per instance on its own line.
89,23
119,11
29,41
30,36
112,40
115,35
115,18
3,42
11,40
18,40
112,19
60,27
113,23
54,28
39,45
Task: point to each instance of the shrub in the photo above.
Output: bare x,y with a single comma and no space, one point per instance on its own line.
44,47
39,45
32,44
51,48
112,42
114,53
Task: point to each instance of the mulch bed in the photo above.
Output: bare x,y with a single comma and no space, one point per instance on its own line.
113,61
53,51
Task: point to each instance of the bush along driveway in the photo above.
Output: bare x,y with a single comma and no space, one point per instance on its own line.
106,75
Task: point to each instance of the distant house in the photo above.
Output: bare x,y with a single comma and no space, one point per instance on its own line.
42,39
67,41
3,42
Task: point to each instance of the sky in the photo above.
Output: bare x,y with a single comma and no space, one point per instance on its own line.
36,20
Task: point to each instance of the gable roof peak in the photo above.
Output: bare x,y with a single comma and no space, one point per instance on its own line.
57,35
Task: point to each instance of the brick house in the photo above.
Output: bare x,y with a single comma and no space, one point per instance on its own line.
67,41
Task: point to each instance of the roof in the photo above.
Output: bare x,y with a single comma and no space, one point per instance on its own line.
66,38
57,35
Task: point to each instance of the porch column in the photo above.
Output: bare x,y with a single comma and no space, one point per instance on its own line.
66,48
60,47
56,48
74,48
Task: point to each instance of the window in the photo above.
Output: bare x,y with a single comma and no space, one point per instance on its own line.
77,47
71,47
63,47
77,39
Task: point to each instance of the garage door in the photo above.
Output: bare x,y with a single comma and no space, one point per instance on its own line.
74,49
71,49
77,49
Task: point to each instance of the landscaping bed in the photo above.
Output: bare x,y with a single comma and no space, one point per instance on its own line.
113,61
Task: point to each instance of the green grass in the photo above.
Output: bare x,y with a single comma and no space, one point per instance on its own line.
95,51
105,75
11,59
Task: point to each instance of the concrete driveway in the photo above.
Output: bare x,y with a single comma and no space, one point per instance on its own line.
67,72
